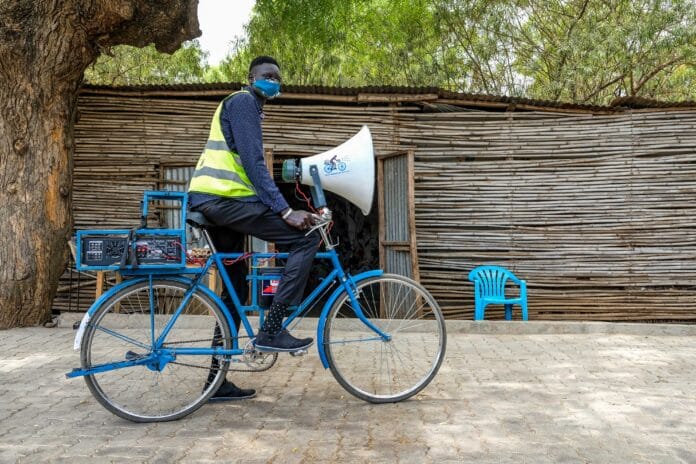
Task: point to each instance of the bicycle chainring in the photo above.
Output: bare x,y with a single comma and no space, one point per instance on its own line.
256,361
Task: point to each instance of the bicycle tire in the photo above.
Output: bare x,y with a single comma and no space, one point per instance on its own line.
121,329
357,356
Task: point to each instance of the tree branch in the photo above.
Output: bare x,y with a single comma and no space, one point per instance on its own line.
166,23
603,87
655,71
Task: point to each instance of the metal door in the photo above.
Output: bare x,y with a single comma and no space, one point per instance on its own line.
397,220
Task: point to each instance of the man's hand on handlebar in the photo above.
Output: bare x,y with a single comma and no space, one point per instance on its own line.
299,219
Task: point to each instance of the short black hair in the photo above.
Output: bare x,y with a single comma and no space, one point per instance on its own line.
261,60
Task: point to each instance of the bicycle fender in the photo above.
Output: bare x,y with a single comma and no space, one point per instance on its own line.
329,303
88,315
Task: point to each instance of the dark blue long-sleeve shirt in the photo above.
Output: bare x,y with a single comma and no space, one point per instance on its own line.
240,119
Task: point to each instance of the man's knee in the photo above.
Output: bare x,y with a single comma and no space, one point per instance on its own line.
307,245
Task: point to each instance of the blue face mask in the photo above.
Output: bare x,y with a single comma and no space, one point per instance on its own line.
269,89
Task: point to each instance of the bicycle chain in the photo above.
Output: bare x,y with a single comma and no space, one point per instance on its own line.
230,369
229,358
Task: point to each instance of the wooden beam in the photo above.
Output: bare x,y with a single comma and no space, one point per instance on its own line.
100,285
411,189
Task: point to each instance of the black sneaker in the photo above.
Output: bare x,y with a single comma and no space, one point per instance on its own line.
230,392
282,341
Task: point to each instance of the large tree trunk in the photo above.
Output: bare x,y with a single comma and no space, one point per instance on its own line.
45,47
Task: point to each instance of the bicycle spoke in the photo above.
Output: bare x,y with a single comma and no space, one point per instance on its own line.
175,388
120,336
393,369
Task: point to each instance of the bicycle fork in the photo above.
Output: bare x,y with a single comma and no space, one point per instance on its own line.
354,296
348,285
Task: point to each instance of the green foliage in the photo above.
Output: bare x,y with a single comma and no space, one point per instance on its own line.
344,43
592,51
139,66
586,51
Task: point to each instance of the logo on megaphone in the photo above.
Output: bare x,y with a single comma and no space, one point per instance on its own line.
347,170
334,166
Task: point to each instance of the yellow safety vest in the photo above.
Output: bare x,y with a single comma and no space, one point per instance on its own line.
219,170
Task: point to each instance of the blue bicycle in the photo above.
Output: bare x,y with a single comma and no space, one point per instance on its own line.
157,346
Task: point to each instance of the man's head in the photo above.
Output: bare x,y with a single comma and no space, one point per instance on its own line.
264,76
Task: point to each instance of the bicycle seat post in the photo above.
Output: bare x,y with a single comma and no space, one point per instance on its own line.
197,220
209,240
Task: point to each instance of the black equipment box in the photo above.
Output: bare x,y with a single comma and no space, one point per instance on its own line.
122,250
131,249
103,250
158,249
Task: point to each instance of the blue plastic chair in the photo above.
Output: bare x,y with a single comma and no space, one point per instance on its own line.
489,288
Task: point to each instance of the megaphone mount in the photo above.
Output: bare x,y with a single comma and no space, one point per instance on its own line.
291,173
318,197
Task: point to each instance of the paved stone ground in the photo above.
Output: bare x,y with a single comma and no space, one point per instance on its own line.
500,397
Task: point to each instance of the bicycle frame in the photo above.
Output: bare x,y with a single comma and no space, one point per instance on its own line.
368,371
160,355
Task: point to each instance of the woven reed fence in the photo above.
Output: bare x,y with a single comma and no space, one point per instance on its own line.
122,141
594,211
597,213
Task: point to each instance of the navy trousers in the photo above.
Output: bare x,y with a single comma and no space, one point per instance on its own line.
227,241
235,219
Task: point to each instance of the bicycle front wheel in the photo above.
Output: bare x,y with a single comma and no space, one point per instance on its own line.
387,369
124,328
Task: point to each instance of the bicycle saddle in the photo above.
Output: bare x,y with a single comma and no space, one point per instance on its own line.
198,220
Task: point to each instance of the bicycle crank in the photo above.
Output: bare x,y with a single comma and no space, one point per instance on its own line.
256,361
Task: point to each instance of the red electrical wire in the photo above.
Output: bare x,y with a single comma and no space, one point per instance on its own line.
230,261
305,198
311,208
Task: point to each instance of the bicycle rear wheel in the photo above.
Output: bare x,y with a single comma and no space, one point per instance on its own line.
123,329
378,370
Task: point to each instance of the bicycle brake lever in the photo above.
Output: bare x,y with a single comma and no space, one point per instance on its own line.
317,226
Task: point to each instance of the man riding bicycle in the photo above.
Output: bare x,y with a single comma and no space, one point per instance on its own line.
235,191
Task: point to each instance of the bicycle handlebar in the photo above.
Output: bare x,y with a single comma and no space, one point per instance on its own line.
322,223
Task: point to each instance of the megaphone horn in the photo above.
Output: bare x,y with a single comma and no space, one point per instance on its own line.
347,170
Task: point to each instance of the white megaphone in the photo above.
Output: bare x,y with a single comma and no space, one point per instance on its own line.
347,170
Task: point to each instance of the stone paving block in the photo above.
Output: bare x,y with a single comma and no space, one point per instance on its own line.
69,459
206,449
52,438
597,455
41,453
554,397
667,459
320,450
10,454
411,452
165,456
366,456
685,451
135,453
86,446
566,456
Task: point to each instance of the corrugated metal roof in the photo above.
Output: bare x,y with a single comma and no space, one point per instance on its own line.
369,94
640,102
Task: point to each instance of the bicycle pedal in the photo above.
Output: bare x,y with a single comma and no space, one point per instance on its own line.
298,353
